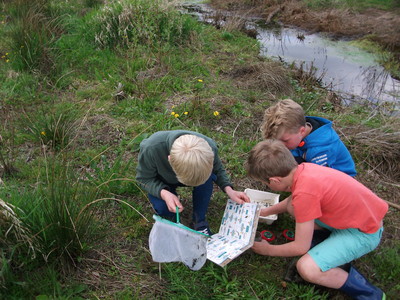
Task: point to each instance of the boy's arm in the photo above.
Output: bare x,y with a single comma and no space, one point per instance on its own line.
147,174
278,208
300,246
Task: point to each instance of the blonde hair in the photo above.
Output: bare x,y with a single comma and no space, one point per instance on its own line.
269,158
284,116
192,159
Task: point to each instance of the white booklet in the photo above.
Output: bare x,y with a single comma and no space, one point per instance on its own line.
236,233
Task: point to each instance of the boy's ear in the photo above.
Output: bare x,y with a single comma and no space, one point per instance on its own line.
275,179
302,130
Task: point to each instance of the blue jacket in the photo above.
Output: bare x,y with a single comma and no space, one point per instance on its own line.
324,147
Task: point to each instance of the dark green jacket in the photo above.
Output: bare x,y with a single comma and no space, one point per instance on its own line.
154,172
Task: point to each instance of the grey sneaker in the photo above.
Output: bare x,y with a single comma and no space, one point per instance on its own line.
203,227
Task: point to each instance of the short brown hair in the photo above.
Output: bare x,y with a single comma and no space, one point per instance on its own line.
284,116
269,158
192,159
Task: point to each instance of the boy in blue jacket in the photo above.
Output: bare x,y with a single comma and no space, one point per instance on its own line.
310,139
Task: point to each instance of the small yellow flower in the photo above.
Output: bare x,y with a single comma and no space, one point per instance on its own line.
200,80
7,60
185,113
216,113
176,115
173,113
43,133
7,53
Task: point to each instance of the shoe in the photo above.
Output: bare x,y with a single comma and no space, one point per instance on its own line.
203,227
359,288
291,274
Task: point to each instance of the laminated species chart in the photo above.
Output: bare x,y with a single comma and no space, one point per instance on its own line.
236,233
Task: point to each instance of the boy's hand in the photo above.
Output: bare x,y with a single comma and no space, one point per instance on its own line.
238,197
265,212
172,201
261,247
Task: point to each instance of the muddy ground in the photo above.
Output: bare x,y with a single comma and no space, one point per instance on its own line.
380,26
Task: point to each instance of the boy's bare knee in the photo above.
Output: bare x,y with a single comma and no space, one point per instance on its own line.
307,268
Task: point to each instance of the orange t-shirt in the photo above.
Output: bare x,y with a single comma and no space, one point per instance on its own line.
335,199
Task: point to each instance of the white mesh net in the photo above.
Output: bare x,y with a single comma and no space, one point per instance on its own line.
174,242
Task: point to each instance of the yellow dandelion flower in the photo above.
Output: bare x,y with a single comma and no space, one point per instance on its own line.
173,113
7,60
200,80
216,113
43,133
176,115
7,53
185,113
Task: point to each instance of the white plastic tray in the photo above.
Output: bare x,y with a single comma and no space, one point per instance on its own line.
266,199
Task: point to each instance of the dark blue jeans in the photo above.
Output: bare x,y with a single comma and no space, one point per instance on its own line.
201,196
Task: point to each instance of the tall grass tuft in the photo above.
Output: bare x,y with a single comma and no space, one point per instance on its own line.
35,29
64,231
54,129
129,23
54,215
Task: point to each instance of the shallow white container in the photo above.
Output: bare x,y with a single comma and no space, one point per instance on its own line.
266,199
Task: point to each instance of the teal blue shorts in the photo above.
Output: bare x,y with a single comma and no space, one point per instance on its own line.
343,246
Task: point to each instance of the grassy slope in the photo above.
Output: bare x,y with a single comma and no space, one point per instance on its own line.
118,96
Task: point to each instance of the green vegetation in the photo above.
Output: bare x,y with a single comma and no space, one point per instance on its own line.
83,83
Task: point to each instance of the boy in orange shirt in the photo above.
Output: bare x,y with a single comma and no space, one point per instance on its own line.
327,198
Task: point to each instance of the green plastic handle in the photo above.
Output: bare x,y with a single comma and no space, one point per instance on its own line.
177,214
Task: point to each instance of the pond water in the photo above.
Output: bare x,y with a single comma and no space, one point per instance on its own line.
353,74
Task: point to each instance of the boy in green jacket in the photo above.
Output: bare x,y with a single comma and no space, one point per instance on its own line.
170,159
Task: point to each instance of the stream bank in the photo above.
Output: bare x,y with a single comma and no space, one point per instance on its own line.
355,75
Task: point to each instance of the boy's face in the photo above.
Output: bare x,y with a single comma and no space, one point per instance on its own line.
292,139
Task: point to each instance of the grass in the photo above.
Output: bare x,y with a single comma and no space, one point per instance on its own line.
71,124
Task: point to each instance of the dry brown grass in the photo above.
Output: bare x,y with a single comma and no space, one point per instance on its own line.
379,149
12,235
13,229
270,77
